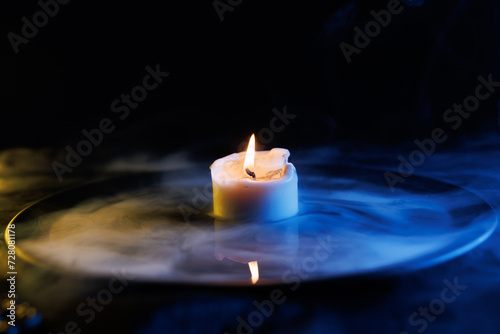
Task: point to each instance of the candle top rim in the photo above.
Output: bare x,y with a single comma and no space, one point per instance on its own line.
271,165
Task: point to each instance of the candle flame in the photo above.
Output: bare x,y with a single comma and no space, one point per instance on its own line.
248,165
254,271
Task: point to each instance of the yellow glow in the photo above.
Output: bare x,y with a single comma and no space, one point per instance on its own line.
254,270
7,237
250,156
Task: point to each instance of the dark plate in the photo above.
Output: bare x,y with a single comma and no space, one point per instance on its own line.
158,227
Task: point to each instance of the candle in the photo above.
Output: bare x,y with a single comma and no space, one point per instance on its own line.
253,185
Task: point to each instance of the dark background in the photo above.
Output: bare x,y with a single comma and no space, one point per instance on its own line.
225,79
227,76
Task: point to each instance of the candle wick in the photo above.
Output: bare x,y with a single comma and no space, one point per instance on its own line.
249,172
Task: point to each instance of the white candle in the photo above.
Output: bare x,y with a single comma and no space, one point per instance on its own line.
253,185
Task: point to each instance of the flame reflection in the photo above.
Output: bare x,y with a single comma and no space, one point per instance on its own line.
254,271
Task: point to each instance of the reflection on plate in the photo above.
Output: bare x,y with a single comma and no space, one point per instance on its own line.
158,227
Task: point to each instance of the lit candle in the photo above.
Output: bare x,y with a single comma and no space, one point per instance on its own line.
253,185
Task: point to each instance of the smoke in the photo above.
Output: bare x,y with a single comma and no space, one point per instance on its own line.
152,226
348,219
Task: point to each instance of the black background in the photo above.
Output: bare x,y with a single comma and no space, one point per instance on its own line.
225,79
226,76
